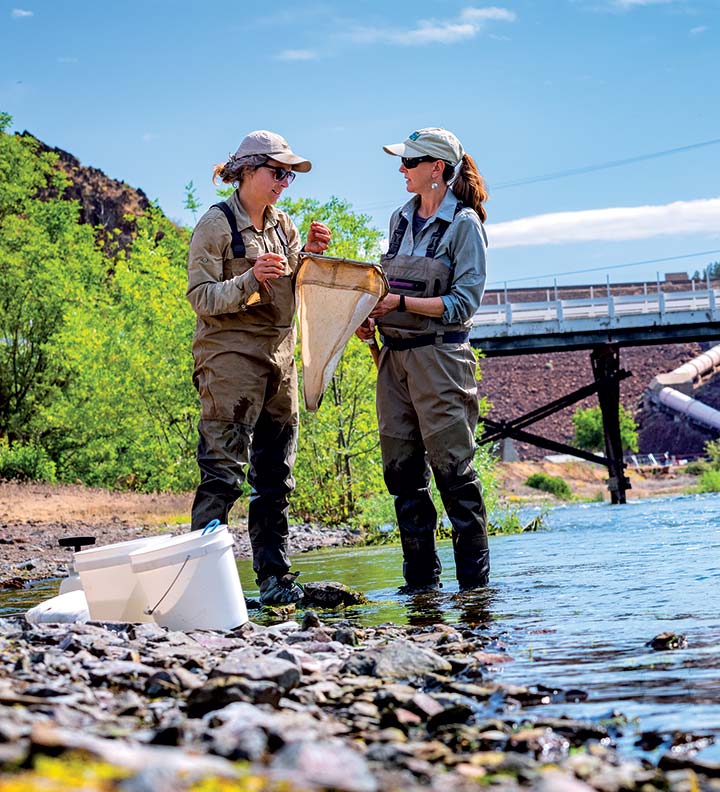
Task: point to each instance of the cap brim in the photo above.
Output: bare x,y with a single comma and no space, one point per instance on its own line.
296,163
402,150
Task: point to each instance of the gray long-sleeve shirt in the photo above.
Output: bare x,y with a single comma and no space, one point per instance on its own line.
463,245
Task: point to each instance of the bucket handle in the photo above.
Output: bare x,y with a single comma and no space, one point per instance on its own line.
151,611
211,526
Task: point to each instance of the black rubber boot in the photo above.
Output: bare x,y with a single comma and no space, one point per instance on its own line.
272,455
417,520
221,476
465,509
407,477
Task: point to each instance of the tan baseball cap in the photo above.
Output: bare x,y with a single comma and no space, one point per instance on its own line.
429,142
273,145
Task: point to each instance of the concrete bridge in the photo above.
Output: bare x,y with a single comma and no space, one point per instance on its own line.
601,320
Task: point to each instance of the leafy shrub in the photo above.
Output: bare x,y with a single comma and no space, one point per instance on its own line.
553,484
25,462
709,481
589,431
697,467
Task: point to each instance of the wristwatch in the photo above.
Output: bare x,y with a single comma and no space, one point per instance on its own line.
401,304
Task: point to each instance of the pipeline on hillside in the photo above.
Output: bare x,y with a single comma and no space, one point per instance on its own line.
688,376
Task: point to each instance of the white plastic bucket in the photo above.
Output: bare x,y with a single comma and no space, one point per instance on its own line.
192,582
112,590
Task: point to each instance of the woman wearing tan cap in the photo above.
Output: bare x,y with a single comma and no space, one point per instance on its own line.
243,255
426,391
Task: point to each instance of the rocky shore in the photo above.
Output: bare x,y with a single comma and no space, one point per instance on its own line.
33,517
303,705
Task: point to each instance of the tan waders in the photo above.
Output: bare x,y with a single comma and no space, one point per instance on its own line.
427,414
246,378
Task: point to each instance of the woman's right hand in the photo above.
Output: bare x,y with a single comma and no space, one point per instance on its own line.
268,266
366,331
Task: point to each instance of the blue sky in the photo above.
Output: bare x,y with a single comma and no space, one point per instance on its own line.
156,92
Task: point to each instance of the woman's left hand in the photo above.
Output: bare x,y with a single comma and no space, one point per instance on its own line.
318,238
389,303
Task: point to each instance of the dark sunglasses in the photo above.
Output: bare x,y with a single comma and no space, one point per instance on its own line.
281,173
413,162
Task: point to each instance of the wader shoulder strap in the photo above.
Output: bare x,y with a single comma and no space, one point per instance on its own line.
443,226
280,231
397,238
432,247
238,246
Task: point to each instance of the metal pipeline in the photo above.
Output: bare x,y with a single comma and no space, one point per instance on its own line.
673,390
689,407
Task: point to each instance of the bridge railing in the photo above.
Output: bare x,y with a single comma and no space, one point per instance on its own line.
612,306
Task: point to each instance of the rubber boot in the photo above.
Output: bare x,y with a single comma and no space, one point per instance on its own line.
407,477
272,455
417,520
465,509
221,471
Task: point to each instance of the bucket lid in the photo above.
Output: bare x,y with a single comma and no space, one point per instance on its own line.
190,545
114,554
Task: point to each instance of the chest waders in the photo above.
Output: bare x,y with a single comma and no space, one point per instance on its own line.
246,378
427,414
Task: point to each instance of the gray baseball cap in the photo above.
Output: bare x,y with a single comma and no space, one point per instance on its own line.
429,142
273,145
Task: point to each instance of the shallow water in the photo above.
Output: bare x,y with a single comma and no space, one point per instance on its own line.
573,605
576,603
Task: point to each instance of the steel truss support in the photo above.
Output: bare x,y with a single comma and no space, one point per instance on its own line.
608,375
606,365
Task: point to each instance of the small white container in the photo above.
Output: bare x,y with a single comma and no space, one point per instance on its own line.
112,590
191,582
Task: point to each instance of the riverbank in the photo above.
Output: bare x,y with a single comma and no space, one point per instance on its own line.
588,481
303,705
34,516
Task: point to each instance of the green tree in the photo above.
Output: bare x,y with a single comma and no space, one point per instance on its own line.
128,412
191,200
48,263
589,432
338,466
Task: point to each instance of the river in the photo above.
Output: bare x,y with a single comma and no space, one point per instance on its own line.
574,606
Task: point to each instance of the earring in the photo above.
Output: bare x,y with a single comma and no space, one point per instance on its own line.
433,186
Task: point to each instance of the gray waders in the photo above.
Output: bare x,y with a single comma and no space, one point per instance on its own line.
427,414
246,378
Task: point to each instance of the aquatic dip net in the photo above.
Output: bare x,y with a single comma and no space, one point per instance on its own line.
334,297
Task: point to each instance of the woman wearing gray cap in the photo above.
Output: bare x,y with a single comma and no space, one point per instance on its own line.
426,391
243,255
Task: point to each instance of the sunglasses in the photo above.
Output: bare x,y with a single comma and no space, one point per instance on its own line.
281,173
413,162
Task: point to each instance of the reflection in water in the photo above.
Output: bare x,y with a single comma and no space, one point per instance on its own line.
467,608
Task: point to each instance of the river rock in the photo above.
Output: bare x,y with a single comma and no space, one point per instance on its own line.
218,692
328,594
400,660
328,764
667,640
283,673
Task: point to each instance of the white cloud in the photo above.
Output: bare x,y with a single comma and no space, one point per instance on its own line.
617,223
433,31
20,13
297,55
626,4
696,31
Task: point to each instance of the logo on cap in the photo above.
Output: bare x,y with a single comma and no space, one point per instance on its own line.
414,136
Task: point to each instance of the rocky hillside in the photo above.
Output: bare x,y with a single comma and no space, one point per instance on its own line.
517,385
104,202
